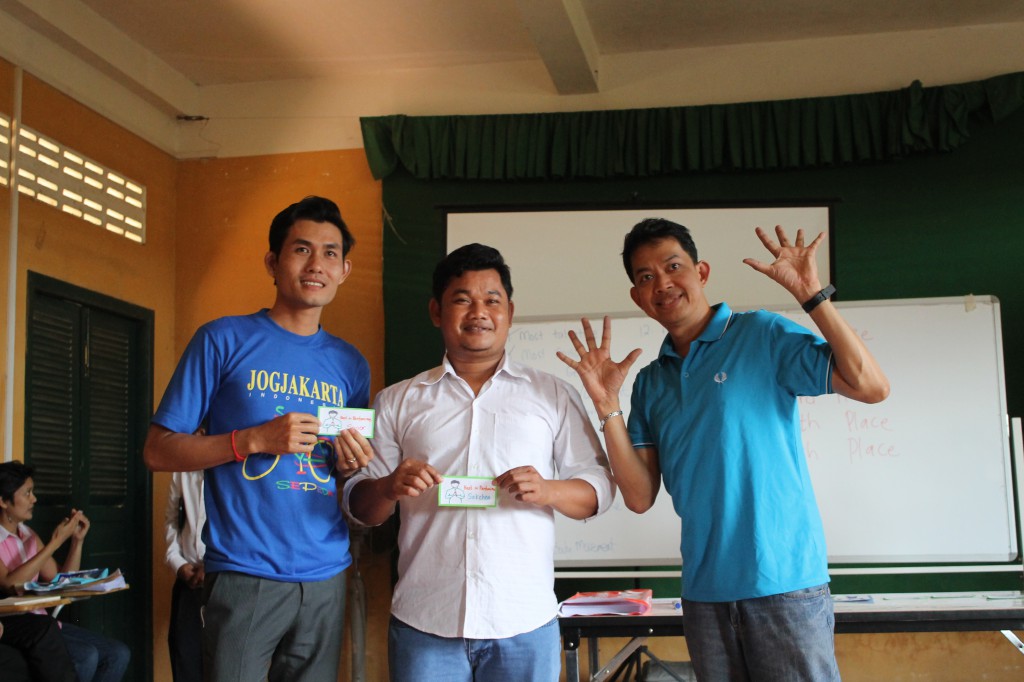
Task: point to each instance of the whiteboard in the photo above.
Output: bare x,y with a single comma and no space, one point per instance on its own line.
923,477
578,254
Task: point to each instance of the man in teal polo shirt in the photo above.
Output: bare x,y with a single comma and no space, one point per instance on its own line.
715,416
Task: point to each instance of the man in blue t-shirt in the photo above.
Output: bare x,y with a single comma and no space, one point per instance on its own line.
276,542
715,416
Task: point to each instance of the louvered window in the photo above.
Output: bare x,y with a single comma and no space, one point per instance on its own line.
5,151
69,181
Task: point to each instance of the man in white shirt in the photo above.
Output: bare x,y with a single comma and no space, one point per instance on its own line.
184,519
475,597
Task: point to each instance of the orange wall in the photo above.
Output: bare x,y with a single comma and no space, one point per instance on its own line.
64,247
225,213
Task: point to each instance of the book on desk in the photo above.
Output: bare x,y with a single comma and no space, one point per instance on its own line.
91,580
608,602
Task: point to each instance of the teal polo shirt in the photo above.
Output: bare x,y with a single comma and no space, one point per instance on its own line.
725,422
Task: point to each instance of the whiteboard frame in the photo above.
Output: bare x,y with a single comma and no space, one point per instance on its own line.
1011,472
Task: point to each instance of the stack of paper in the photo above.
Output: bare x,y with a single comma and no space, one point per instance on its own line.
612,602
114,581
92,580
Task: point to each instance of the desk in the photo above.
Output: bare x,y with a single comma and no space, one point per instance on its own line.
31,602
12,605
885,613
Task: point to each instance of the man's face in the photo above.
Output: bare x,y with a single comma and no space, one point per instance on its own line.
310,266
668,285
474,316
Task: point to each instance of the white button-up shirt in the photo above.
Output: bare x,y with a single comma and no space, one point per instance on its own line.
185,546
481,573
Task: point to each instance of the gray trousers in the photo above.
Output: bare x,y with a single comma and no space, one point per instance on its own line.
257,629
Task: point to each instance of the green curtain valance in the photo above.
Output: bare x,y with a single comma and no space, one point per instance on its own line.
784,134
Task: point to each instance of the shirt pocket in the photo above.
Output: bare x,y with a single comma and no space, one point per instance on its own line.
522,440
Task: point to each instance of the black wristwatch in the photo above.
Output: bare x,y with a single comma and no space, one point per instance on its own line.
823,295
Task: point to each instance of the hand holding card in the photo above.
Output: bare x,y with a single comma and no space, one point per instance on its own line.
334,420
467,491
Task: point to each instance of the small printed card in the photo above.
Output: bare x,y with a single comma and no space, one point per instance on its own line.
334,420
467,491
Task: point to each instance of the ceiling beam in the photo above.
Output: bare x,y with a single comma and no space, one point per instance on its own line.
71,26
562,34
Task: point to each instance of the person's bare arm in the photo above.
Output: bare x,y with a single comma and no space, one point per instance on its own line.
857,374
636,470
73,560
574,498
373,500
167,450
42,562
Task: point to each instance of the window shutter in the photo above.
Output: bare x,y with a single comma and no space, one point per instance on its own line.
52,372
107,406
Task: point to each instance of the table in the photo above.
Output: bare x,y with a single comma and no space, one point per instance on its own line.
877,613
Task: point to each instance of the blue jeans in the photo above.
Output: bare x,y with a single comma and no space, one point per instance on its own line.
415,656
782,638
96,658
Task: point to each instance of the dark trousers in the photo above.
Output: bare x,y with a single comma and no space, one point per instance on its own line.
291,631
13,664
184,635
38,639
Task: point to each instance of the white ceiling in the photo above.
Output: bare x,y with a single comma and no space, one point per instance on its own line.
218,42
234,61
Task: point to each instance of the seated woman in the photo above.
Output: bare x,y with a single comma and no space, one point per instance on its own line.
24,557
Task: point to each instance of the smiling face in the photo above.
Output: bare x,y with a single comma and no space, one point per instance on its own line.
19,508
309,268
669,287
474,316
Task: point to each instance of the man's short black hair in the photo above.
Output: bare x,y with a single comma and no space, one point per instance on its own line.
470,258
317,209
652,230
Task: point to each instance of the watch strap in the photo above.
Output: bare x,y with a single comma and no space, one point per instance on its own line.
823,295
